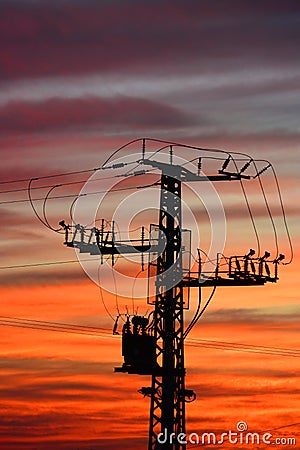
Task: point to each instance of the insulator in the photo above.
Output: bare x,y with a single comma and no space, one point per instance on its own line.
118,165
102,226
245,167
106,238
115,329
143,234
267,269
251,253
262,170
199,263
97,234
266,255
126,326
252,266
143,240
225,164
143,148
279,258
171,154
238,265
93,231
146,391
188,394
199,165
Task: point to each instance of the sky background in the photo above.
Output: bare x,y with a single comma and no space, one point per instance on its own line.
78,80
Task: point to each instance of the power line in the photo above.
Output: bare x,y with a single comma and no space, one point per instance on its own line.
55,324
245,348
64,174
70,183
50,263
100,331
50,328
256,430
50,176
77,195
283,426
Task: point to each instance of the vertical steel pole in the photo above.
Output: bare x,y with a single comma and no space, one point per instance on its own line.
167,410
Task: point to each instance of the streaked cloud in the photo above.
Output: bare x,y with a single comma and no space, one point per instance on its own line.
89,37
79,79
57,114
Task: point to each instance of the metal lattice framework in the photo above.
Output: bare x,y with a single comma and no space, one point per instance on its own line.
167,410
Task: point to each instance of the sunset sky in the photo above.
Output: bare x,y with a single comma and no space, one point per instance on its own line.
79,79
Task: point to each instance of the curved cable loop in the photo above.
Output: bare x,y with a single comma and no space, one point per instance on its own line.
118,150
71,212
32,204
167,144
159,150
116,291
282,210
284,218
267,205
101,295
268,208
212,261
196,318
57,230
248,207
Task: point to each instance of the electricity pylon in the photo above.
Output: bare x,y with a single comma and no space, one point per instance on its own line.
157,348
